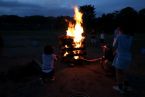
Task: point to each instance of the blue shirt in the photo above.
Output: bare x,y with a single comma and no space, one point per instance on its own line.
123,45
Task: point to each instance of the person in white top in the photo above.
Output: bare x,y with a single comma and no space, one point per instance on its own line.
102,37
48,58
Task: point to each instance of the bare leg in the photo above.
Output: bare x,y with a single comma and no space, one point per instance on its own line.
120,77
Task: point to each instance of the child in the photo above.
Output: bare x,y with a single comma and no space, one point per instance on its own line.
48,58
108,59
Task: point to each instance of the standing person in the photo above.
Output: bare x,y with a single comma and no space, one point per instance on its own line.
48,58
1,45
123,57
102,37
93,40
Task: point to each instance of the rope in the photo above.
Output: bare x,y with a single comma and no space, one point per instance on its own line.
92,60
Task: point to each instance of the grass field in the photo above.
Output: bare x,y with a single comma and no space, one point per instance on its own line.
21,47
29,44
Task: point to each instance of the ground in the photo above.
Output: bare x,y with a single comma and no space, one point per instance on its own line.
88,79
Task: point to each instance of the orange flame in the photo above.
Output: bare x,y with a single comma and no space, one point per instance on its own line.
76,30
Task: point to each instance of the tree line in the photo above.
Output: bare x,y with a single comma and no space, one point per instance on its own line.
13,22
129,18
133,20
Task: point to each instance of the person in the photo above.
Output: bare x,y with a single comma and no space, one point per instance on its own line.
93,41
48,59
123,57
102,37
108,57
1,44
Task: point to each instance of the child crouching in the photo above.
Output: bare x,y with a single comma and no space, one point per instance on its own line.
48,59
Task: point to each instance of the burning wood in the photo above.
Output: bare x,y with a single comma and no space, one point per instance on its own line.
69,52
73,44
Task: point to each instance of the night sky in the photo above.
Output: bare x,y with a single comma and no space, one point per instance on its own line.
63,7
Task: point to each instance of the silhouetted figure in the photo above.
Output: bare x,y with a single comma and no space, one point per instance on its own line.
93,40
1,44
107,60
102,37
48,58
123,57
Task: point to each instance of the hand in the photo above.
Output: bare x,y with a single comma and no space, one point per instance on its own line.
55,57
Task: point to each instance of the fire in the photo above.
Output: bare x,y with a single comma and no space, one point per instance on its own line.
66,53
66,46
76,30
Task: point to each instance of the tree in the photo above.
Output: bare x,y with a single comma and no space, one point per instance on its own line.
142,20
127,18
88,17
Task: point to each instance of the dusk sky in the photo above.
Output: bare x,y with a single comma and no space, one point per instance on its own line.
63,7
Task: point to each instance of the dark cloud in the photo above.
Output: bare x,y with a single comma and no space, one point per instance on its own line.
14,4
108,7
24,9
63,7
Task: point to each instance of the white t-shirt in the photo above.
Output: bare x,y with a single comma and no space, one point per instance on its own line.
48,62
102,36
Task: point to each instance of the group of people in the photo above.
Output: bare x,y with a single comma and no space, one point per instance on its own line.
122,45
120,57
93,39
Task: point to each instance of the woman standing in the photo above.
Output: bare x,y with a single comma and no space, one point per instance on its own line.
123,58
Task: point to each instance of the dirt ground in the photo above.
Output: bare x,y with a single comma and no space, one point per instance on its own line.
88,80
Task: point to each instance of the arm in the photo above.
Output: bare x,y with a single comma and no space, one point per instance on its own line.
115,42
55,57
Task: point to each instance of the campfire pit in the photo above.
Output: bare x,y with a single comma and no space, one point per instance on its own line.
69,53
73,43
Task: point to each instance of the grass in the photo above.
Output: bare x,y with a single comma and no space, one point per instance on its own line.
21,49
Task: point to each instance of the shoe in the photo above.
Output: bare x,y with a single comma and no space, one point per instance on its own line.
117,88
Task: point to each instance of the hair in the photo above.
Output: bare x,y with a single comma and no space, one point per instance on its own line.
48,49
126,29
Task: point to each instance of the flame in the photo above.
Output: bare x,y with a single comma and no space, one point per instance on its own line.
66,46
66,53
76,30
76,57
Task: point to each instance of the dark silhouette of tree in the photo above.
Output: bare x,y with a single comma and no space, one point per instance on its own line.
127,18
142,12
10,22
141,20
88,17
107,23
61,23
130,19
